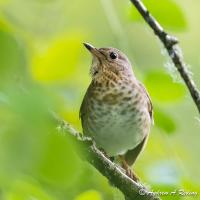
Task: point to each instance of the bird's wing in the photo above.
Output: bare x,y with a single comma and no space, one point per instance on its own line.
131,155
83,113
84,104
150,105
83,107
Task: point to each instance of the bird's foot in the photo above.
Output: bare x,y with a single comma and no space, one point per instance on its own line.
132,175
128,170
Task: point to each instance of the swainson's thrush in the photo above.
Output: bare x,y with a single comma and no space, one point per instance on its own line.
116,110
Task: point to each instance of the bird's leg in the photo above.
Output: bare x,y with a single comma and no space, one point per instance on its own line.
127,169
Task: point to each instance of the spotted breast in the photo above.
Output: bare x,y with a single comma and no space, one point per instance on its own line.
117,115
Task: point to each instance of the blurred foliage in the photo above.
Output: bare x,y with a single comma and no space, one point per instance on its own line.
164,121
168,13
43,67
89,195
56,55
162,87
22,190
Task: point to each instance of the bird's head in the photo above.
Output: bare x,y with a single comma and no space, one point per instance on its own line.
108,60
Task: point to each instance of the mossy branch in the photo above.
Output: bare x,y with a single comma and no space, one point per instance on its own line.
105,166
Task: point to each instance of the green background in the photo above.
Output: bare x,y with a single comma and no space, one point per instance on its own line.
44,66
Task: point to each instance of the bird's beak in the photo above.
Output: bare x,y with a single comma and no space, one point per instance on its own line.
93,50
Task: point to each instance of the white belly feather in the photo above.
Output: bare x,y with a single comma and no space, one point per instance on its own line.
119,132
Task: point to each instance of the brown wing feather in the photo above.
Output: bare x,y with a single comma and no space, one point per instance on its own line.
150,105
131,155
84,111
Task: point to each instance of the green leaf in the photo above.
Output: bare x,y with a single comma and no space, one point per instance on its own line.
23,190
89,195
166,12
59,164
164,121
57,61
162,88
12,58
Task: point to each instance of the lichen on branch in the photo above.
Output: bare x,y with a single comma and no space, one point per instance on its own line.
171,45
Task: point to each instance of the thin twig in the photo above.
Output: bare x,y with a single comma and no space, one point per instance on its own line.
170,43
105,166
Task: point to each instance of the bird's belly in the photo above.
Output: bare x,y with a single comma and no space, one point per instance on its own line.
119,130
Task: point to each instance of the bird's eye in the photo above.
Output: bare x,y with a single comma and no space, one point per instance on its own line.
113,55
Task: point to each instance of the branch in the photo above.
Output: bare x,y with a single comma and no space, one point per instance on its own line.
105,166
170,43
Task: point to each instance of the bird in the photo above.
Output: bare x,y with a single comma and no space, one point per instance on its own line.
116,111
